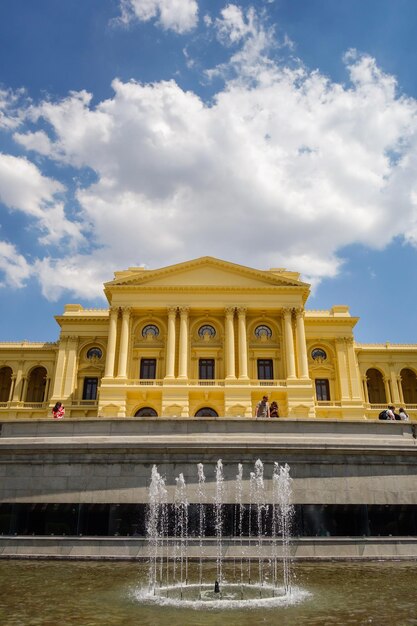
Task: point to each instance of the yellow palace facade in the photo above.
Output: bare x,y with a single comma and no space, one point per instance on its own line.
206,338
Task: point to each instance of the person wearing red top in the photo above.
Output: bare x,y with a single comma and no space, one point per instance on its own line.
58,411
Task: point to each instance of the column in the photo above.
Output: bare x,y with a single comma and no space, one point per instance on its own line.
12,386
170,365
243,346
289,343
183,356
394,388
24,388
365,389
124,343
301,344
400,389
111,343
342,367
387,390
18,383
47,387
230,344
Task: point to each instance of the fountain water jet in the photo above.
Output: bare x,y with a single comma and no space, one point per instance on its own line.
271,525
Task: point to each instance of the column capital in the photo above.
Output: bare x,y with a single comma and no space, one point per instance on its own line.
241,310
113,309
172,310
229,310
299,311
126,310
184,310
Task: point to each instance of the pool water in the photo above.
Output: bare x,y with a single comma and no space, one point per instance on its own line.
67,593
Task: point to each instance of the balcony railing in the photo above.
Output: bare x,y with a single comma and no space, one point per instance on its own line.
320,403
269,383
207,382
35,405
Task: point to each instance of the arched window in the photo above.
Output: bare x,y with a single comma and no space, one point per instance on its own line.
409,386
36,385
376,387
207,331
94,353
146,411
150,331
318,354
263,332
5,383
206,412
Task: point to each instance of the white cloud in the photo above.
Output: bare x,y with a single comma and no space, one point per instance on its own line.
14,268
283,168
10,111
180,16
24,188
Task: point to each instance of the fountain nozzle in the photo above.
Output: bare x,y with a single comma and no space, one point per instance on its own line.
216,587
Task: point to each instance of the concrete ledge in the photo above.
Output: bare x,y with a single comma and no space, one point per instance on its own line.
184,435
122,548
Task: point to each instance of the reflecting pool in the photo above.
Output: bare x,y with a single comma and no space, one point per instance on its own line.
66,593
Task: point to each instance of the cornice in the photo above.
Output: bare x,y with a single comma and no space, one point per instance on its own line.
145,276
210,288
332,320
80,318
30,345
386,346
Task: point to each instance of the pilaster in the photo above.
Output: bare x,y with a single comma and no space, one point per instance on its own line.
124,342
70,370
342,369
111,343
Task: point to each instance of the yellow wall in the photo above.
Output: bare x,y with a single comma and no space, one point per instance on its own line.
234,300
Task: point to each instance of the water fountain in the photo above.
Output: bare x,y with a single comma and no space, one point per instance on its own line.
257,578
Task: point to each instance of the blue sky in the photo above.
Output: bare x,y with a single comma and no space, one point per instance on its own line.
271,133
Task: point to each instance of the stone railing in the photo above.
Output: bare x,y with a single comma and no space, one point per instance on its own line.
35,405
208,382
269,383
328,403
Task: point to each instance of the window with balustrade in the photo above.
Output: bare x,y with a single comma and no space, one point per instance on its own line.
147,369
90,388
322,389
206,369
265,369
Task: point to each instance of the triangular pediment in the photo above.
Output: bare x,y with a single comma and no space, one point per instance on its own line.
205,271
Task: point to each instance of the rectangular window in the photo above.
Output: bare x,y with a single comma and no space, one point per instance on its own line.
265,369
90,389
322,389
206,369
148,368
